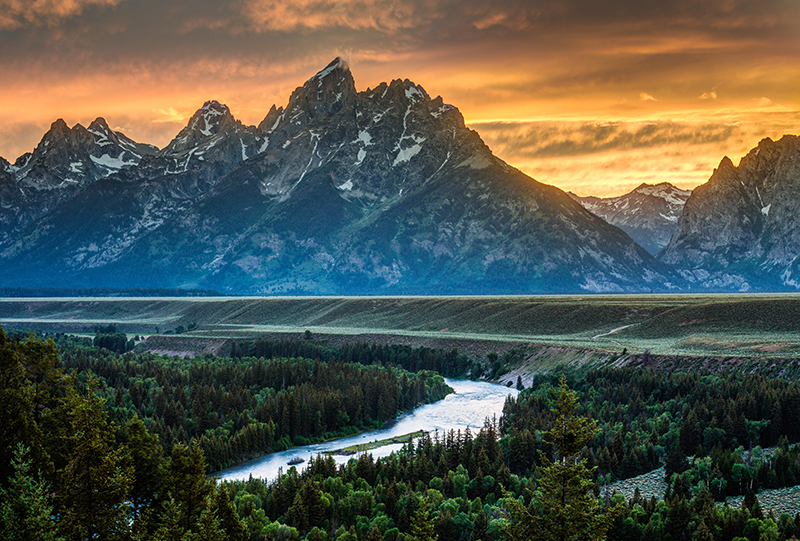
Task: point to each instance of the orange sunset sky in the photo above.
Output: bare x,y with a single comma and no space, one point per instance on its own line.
591,96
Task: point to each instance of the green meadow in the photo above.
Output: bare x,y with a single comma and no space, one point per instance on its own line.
757,325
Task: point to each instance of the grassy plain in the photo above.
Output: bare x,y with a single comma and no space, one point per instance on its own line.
743,325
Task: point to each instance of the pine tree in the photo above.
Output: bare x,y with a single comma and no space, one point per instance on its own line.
188,484
171,526
422,526
235,529
562,508
148,465
26,511
209,527
31,383
95,485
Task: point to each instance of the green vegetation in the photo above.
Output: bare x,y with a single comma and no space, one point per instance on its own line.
369,446
514,479
68,472
563,507
238,408
106,445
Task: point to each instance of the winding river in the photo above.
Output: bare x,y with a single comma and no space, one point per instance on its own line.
469,406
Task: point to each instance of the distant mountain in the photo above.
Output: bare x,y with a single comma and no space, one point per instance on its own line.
384,191
65,160
76,156
741,230
648,214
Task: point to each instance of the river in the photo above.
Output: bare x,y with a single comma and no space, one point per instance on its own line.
469,406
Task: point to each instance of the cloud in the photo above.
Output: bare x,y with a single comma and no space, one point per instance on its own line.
569,139
709,95
611,158
313,15
170,115
19,13
19,137
644,96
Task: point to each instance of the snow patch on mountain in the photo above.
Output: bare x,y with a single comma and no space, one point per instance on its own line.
406,154
113,163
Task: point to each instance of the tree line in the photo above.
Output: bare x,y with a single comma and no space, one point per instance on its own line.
238,408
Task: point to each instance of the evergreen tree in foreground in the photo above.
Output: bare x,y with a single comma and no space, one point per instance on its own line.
95,484
563,507
26,510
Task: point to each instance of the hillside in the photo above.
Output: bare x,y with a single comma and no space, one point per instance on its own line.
704,326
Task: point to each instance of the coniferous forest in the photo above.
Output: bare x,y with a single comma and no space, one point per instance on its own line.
99,443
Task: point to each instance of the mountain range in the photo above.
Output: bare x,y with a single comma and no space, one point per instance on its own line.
340,192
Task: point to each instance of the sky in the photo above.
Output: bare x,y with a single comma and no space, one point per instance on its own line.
591,96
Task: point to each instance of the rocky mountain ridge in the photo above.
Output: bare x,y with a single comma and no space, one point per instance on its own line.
340,192
383,191
741,230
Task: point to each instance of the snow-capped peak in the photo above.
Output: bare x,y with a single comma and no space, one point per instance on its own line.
666,191
205,120
327,70
103,135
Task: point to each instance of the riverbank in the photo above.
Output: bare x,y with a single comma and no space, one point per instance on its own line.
377,444
468,407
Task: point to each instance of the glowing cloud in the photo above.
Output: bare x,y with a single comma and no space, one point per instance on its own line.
292,15
18,13
169,115
577,64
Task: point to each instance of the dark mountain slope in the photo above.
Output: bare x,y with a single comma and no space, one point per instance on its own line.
741,230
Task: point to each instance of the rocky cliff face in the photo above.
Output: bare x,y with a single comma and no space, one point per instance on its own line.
648,214
741,230
340,192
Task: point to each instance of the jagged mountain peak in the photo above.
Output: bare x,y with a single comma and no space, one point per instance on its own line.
209,120
377,144
100,126
762,160
337,64
69,157
666,191
270,122
60,132
59,125
739,230
327,92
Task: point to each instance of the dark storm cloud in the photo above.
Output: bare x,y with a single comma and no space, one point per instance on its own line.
109,29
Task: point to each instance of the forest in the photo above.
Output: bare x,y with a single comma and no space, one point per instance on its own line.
104,444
